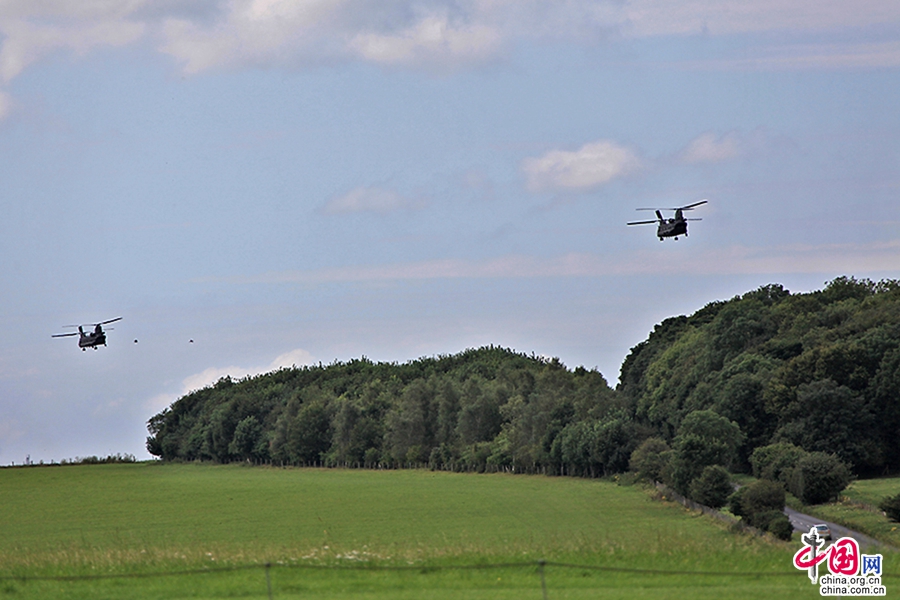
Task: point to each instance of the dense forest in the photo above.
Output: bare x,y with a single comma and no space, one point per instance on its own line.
815,372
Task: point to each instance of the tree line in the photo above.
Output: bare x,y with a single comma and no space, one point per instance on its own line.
481,408
818,371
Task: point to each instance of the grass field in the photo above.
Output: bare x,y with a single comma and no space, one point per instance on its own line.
364,534
868,520
872,491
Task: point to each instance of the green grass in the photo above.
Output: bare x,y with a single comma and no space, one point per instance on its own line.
867,519
872,491
394,534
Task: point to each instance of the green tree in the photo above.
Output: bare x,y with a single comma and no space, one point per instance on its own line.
310,433
830,417
479,416
650,458
705,438
713,487
819,477
249,441
408,425
776,461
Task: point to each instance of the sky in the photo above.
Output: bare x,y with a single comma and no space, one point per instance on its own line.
253,184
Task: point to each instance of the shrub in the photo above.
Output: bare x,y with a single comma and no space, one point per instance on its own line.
818,478
736,502
762,496
775,461
762,520
761,504
891,507
781,527
650,458
713,487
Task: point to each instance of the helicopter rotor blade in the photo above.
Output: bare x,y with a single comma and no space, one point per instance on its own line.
63,334
110,321
688,207
642,223
691,206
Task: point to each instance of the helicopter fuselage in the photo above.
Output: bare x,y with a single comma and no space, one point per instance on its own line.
91,340
672,227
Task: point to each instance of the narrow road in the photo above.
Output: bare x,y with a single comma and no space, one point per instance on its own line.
803,523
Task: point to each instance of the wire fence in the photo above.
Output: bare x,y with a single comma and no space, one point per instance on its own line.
540,567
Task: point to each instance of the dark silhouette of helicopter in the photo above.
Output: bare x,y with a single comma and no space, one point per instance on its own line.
670,227
92,339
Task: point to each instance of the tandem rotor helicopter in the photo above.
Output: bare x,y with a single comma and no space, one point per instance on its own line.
670,227
91,339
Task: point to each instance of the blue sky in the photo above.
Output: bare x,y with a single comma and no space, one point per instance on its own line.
295,181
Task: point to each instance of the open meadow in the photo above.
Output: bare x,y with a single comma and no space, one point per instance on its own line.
154,530
858,509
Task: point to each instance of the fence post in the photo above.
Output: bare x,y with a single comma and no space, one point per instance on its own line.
269,581
541,564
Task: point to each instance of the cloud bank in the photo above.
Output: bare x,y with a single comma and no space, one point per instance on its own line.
735,260
229,34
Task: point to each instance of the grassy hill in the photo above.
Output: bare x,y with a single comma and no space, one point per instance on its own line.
155,518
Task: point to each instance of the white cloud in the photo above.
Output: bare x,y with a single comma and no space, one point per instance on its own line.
298,358
588,167
210,376
644,18
32,33
432,40
710,148
203,34
371,199
430,34
825,258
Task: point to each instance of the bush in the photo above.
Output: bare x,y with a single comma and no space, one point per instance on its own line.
650,458
781,527
713,487
761,505
818,478
762,496
891,507
775,461
736,502
762,520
